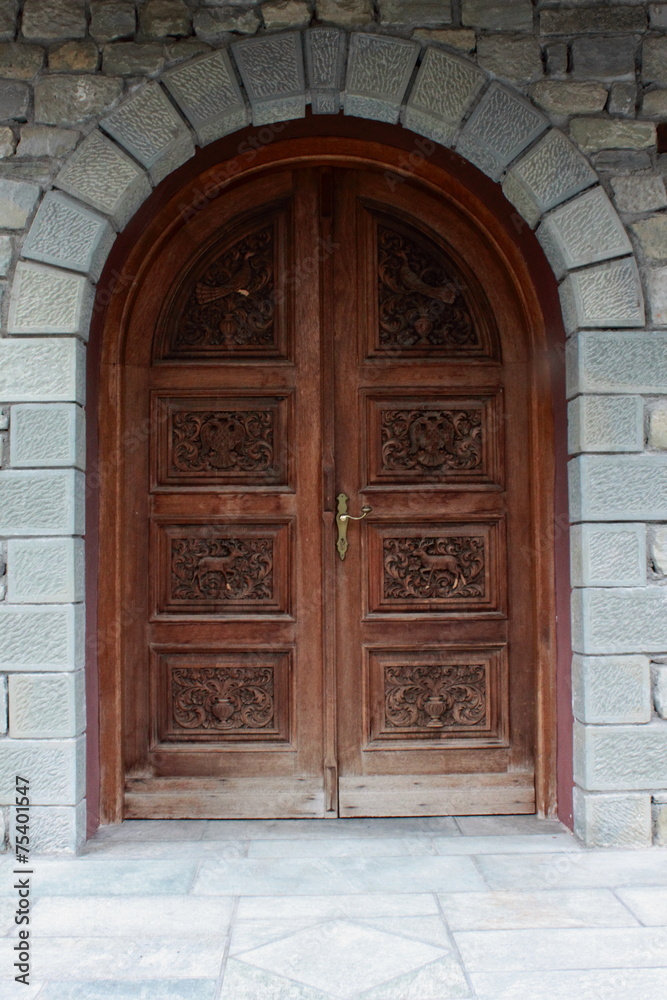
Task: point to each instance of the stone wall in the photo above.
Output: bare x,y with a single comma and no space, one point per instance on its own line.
560,103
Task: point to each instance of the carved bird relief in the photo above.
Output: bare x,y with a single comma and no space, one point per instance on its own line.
238,284
412,281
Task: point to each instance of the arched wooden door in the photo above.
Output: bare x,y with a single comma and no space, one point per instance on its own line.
317,332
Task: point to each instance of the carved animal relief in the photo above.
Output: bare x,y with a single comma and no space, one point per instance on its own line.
223,442
231,307
431,441
420,302
222,569
222,698
434,568
435,697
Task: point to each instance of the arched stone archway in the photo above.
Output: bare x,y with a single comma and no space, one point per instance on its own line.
436,94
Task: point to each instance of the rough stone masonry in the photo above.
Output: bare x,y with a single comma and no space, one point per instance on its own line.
564,104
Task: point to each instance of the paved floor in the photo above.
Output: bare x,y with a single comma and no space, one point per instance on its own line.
495,908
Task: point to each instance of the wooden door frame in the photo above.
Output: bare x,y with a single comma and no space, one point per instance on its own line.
400,154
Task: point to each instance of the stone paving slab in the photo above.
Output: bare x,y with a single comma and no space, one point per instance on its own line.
378,904
513,844
648,905
504,910
261,829
599,984
145,989
87,877
154,916
343,847
575,871
174,850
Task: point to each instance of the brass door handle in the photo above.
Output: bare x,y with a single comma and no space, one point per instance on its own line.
342,518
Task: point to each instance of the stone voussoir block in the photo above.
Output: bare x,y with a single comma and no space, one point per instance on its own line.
378,72
605,423
616,361
500,127
41,502
49,300
207,93
54,829
444,89
151,129
610,690
47,369
612,819
66,234
56,768
103,176
272,71
17,203
619,620
42,637
326,54
618,487
551,172
608,555
45,570
618,758
47,435
606,295
584,231
47,706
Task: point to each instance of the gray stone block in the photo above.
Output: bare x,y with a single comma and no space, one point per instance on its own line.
151,129
659,814
213,24
657,428
56,768
595,134
326,51
42,637
422,12
47,706
611,758
47,434
53,20
612,819
553,171
378,72
112,19
162,18
659,551
652,234
618,488
133,59
207,93
619,620
6,254
66,100
514,16
611,689
623,99
444,89
102,175
45,570
605,423
46,300
657,294
617,362
272,71
604,57
654,104
639,192
608,555
17,203
281,14
584,231
500,127
46,140
511,57
41,502
654,59
54,829
20,62
8,17
347,13
77,57
48,369
66,234
614,18
608,295
659,688
564,97
14,101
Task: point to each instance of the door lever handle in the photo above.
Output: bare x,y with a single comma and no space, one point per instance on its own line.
342,518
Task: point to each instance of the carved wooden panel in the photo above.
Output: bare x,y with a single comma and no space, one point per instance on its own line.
435,567
426,305
222,441
436,694
223,569
433,439
228,696
230,304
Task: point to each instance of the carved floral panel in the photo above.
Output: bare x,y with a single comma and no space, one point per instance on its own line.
435,696
222,440
228,696
421,305
431,441
229,307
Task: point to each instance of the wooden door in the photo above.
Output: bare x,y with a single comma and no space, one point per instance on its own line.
319,331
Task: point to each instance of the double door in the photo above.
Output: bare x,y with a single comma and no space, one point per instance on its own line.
329,609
